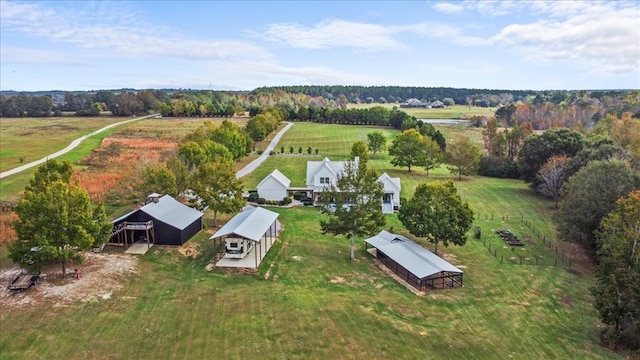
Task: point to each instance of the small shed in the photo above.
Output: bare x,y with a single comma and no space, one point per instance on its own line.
274,186
163,220
248,236
413,263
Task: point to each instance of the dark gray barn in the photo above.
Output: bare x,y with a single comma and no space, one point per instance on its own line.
163,221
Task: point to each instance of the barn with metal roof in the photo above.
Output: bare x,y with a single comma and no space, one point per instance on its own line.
413,263
163,221
248,236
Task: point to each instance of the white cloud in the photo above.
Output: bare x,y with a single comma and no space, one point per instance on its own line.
37,56
601,37
332,33
448,8
109,27
494,8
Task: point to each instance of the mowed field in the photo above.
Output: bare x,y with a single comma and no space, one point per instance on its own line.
451,112
310,301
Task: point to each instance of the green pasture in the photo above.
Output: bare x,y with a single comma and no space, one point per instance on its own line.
309,301
35,138
451,112
316,304
172,129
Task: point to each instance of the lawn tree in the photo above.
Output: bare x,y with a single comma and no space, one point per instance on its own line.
216,187
359,149
552,176
180,173
353,204
591,194
157,179
433,155
617,289
437,213
376,141
408,149
463,157
56,220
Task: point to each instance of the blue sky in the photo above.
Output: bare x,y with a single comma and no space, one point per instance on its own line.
241,45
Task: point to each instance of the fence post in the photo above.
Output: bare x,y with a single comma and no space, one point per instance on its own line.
495,252
501,259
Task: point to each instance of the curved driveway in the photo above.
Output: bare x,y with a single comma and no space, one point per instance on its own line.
255,163
242,172
70,147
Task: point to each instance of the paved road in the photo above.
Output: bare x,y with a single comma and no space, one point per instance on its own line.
255,163
70,147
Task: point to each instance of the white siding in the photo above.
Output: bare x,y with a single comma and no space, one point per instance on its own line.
271,189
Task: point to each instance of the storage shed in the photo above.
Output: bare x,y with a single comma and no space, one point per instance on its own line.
163,221
413,263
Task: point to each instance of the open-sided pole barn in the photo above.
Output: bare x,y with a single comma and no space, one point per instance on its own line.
416,265
252,231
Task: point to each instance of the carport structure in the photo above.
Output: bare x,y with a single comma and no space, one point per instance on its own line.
256,226
413,263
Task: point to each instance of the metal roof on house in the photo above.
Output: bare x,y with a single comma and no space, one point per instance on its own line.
335,167
386,179
279,177
413,257
169,211
251,224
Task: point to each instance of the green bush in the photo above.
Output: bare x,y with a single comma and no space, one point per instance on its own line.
286,200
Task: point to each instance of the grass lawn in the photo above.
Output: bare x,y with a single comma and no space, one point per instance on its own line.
451,112
317,304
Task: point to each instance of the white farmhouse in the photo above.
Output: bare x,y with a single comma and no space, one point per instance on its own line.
274,186
391,197
323,173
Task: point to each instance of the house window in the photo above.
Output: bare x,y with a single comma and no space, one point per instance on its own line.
324,180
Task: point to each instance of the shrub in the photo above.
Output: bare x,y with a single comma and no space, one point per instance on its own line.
498,168
253,196
260,151
286,200
261,201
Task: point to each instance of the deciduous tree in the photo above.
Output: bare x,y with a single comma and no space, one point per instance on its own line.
552,176
591,194
463,157
215,187
408,149
437,213
353,204
433,155
617,289
376,141
57,221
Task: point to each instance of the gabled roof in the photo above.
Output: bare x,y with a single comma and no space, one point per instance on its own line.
413,257
313,167
251,224
169,211
279,177
386,179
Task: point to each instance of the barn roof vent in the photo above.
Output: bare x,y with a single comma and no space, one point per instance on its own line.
155,198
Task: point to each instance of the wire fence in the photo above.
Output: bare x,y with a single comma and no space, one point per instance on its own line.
515,240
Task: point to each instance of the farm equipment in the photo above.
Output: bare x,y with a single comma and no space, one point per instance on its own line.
23,282
509,237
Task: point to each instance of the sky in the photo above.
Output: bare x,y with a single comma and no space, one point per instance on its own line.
242,45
